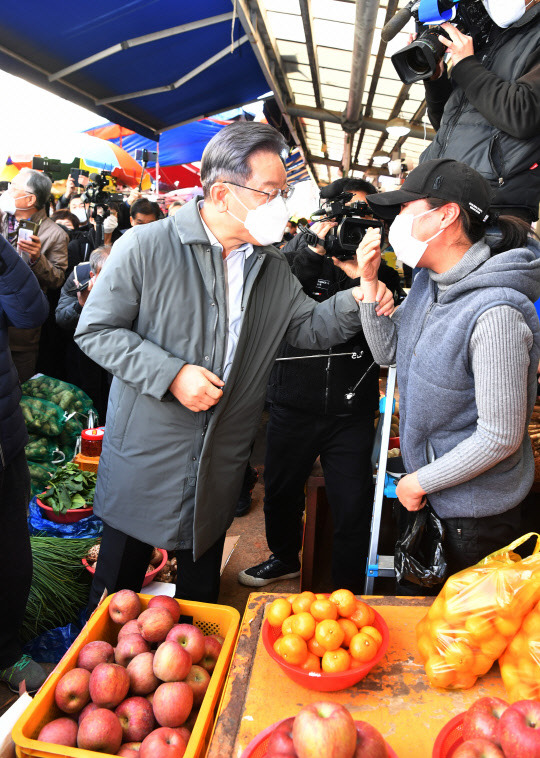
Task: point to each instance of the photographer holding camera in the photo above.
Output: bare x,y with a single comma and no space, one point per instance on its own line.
312,412
487,111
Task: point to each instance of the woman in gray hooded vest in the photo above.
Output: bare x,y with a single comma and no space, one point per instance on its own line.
466,343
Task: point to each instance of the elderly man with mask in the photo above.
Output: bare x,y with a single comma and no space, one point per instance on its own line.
45,252
188,316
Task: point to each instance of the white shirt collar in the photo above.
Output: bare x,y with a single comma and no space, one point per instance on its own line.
247,247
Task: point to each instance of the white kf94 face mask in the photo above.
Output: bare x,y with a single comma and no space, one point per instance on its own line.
266,223
407,248
506,12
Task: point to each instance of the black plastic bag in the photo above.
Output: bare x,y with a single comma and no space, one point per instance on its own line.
419,554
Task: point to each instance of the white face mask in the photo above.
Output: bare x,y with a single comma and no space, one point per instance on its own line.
267,222
81,215
407,248
110,224
506,12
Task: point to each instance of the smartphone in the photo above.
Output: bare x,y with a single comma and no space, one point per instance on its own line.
26,230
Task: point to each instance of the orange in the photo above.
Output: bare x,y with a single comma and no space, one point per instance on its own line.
464,680
494,647
425,646
316,648
278,611
479,627
293,649
329,634
481,664
277,646
323,609
291,599
303,624
364,615
320,596
438,672
349,629
373,632
303,602
334,661
459,656
312,663
363,648
286,627
507,627
345,601
531,625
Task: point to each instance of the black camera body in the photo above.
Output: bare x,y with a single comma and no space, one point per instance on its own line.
353,221
420,59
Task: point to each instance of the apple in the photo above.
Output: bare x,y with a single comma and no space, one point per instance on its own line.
72,691
128,647
183,732
190,637
170,603
171,662
136,717
62,731
172,704
100,730
109,685
369,742
280,742
142,679
150,697
130,627
163,743
324,728
482,719
219,637
155,624
93,653
125,605
86,710
519,729
212,649
129,749
198,679
479,748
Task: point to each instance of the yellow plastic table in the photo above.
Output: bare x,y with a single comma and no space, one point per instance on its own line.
395,697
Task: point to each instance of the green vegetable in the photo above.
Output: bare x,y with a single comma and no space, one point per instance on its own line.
70,488
42,417
69,397
41,449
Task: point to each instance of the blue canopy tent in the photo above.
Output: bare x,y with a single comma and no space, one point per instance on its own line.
149,66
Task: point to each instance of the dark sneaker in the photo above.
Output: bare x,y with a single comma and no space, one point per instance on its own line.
25,669
244,501
267,572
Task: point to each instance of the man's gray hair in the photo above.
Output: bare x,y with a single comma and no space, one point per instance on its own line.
226,156
38,184
98,258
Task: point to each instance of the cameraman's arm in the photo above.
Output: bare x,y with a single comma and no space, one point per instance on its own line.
437,93
307,261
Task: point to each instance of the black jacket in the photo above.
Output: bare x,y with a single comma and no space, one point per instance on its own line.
318,385
488,114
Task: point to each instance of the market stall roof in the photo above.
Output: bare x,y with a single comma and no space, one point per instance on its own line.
147,66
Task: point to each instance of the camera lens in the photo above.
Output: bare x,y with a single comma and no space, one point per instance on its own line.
416,60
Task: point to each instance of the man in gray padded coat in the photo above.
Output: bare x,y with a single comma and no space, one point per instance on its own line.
188,315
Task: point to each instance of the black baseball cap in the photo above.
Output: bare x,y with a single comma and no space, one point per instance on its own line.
443,178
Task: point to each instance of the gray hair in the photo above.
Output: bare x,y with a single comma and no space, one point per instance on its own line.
226,156
38,184
98,258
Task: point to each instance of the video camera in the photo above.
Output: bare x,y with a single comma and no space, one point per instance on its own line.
420,59
95,192
352,222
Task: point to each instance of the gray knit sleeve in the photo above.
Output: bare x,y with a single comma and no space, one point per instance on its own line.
381,333
499,354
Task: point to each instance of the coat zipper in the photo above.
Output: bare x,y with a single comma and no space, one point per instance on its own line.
327,381
2,457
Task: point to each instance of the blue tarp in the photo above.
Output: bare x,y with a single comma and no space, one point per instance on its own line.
41,39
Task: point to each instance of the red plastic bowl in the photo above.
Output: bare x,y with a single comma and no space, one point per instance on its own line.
449,738
148,578
69,517
324,682
257,746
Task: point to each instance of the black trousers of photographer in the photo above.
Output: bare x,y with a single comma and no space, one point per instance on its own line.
344,443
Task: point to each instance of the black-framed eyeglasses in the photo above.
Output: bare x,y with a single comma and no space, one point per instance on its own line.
284,193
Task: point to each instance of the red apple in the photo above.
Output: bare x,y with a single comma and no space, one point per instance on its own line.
86,710
128,647
219,637
142,679
125,605
190,637
183,732
170,603
130,627
482,719
129,750
109,685
172,704
479,748
324,728
519,730
93,653
369,742
100,730
163,743
150,697
155,624
171,662
198,679
212,649
136,718
72,691
62,731
280,742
